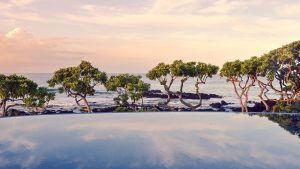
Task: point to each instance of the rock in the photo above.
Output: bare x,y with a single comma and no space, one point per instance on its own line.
160,94
219,106
216,105
66,112
15,112
205,110
104,109
224,103
49,112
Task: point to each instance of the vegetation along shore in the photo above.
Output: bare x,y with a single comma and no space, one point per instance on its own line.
277,71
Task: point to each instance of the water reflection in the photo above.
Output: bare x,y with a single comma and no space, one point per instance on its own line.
289,122
156,140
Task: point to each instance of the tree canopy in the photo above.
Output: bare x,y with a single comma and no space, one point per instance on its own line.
165,75
78,82
14,88
127,86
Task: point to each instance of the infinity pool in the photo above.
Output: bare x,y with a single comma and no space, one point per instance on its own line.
151,140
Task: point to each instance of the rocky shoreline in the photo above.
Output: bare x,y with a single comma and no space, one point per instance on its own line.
222,106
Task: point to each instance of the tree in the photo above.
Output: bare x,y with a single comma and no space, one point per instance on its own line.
78,82
282,65
234,74
127,86
18,90
163,74
39,100
200,71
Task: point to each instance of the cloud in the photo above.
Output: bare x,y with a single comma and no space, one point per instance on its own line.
23,52
29,16
17,9
166,6
22,2
89,8
288,10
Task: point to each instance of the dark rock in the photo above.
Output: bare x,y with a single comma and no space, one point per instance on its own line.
160,94
182,109
156,91
258,107
15,112
205,110
216,105
66,112
104,109
49,112
221,110
224,103
219,106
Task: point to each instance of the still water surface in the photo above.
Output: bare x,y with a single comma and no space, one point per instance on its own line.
151,140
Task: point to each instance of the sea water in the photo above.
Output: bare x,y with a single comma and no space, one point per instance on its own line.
216,85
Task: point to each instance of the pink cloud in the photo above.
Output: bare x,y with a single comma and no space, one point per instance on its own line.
23,52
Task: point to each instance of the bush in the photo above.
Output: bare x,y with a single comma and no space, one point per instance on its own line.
122,109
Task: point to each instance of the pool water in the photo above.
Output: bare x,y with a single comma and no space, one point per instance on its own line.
151,140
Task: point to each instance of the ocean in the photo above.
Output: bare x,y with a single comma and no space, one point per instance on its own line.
102,98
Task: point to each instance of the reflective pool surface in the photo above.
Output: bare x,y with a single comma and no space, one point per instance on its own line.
151,140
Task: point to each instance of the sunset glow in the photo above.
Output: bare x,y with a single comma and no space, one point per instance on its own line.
133,36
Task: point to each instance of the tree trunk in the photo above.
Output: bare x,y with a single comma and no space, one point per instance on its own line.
77,101
238,95
4,110
193,107
87,105
169,98
262,89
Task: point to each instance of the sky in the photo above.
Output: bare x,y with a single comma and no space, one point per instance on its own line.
118,36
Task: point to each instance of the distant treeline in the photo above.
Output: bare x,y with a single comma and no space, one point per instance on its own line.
280,66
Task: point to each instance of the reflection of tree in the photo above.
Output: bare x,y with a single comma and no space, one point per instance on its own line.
289,122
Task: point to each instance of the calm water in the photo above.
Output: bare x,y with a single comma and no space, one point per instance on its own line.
216,85
151,140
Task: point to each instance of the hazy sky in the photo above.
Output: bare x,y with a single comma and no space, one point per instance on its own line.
134,35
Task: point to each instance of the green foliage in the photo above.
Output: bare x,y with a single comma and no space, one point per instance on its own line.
165,74
122,109
121,99
251,66
193,69
283,64
176,68
232,69
127,86
18,88
40,98
15,87
147,110
203,71
79,81
282,107
159,71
